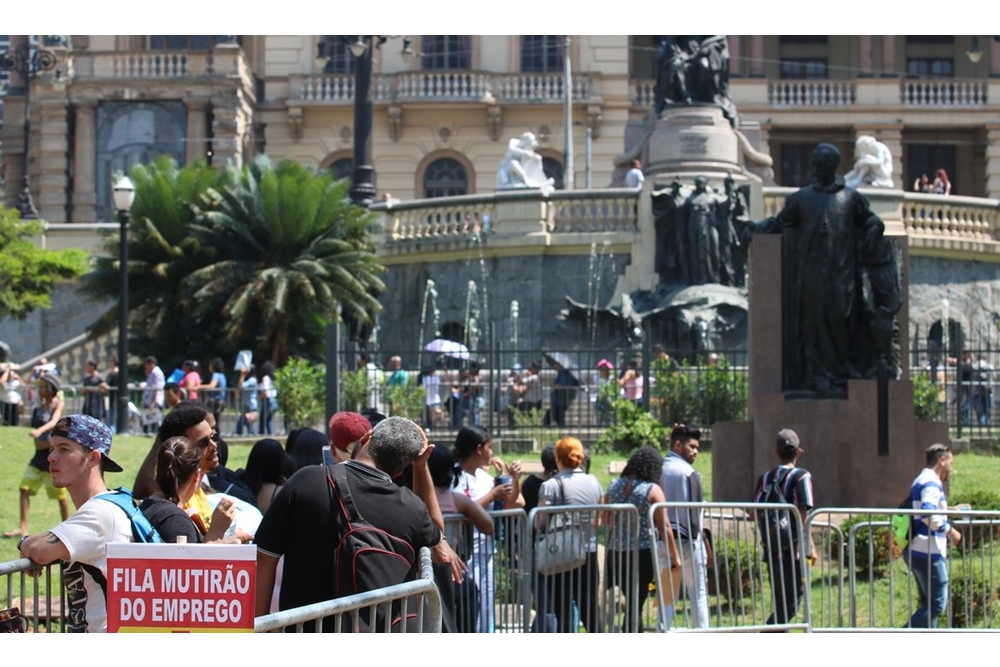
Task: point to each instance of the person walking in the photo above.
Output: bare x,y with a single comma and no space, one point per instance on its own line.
682,483
784,562
926,554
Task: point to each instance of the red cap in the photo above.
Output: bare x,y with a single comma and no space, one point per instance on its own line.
346,428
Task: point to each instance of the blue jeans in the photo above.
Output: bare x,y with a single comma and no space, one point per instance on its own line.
932,584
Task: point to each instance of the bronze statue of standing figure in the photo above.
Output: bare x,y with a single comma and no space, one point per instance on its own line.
841,284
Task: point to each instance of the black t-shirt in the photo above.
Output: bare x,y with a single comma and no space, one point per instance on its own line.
529,490
300,526
112,382
170,520
93,402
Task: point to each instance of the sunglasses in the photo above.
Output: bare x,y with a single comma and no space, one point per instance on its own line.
209,439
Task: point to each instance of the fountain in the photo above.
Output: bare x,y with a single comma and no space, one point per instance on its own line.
472,315
430,297
514,308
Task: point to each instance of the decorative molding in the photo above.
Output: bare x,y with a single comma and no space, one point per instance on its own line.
295,123
594,120
346,135
543,135
494,121
395,118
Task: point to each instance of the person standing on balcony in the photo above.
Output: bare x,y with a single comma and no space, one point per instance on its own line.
942,186
635,177
922,184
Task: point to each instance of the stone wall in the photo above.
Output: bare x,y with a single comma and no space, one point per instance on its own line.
973,292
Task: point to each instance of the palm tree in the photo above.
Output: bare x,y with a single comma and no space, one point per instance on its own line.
162,252
288,248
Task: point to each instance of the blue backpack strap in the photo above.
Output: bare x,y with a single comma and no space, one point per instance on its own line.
142,529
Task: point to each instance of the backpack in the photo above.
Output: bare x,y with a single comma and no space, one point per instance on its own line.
901,524
776,527
142,529
366,557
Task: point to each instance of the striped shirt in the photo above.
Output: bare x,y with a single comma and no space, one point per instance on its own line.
930,532
797,492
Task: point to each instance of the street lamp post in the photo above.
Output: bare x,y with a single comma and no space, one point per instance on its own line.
124,195
26,63
362,190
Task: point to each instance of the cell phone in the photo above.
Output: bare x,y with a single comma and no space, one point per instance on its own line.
328,456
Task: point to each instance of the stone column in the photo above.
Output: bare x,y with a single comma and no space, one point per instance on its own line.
84,163
197,130
231,123
892,137
994,58
865,55
993,162
735,56
889,56
52,167
757,56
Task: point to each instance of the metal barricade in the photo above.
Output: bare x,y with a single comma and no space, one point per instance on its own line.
34,594
726,581
566,590
420,598
886,585
491,597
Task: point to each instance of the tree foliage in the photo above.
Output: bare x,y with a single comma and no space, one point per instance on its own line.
28,273
301,393
258,258
289,248
162,253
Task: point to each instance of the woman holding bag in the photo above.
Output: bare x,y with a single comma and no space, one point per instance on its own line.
571,486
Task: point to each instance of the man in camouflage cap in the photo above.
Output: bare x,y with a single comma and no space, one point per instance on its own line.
78,458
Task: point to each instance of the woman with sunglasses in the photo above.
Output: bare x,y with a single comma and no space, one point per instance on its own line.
178,474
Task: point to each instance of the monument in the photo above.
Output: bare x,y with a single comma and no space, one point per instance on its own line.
827,286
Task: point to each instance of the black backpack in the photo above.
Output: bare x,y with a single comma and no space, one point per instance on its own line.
367,558
777,527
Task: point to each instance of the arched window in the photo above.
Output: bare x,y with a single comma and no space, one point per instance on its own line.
342,168
445,177
542,53
935,339
446,52
553,169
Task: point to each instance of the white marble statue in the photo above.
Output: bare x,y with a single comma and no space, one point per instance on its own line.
872,164
521,167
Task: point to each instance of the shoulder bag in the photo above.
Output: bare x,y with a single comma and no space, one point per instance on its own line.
561,547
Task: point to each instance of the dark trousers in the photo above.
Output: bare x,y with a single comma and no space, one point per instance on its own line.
785,572
617,571
557,593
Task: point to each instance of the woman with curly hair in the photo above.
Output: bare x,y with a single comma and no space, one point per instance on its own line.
639,486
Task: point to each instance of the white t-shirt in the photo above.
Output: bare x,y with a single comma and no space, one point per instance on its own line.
431,384
86,534
475,487
634,178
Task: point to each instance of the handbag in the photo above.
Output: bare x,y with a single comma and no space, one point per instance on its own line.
561,547
11,620
252,417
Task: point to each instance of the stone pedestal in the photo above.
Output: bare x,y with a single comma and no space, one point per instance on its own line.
692,140
840,437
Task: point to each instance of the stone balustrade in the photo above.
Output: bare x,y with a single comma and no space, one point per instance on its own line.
442,86
811,93
950,93
605,210
931,219
141,65
935,224
838,94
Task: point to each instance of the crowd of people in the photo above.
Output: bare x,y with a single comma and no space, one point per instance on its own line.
400,484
